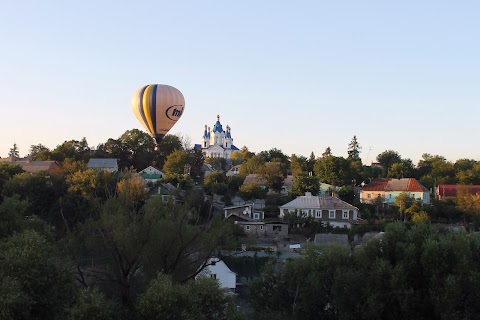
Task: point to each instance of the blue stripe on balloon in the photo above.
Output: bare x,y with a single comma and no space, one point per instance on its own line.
153,108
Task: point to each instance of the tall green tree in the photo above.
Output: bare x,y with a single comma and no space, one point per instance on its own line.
354,149
14,153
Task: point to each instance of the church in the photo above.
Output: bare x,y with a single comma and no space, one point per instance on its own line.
217,143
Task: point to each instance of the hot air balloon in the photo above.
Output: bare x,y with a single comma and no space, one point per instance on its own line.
158,107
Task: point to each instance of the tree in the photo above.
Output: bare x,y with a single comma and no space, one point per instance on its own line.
40,152
333,170
176,162
201,299
298,165
252,191
14,153
311,163
354,149
387,158
401,169
167,145
72,149
435,170
33,283
90,303
304,183
253,165
213,179
217,163
236,158
139,147
327,153
468,203
37,189
8,170
12,215
274,155
273,174
403,201
123,248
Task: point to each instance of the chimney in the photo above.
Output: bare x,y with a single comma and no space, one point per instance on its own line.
308,194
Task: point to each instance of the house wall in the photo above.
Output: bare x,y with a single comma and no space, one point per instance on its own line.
253,228
220,271
335,217
276,229
364,195
390,196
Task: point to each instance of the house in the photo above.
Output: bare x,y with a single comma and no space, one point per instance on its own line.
276,229
388,189
50,167
168,192
151,174
260,181
325,209
207,169
233,171
258,204
446,191
246,210
218,270
34,166
105,164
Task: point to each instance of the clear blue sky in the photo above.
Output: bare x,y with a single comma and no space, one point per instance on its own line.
296,75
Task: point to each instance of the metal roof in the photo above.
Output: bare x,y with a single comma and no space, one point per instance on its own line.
390,184
102,163
318,202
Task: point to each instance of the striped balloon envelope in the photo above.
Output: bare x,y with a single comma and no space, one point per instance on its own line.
158,107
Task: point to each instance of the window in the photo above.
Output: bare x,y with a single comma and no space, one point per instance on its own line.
331,214
277,228
369,196
390,196
213,276
310,213
319,214
255,216
247,227
345,215
261,227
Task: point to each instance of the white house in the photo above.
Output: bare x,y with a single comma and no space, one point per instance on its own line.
247,210
326,209
217,269
151,174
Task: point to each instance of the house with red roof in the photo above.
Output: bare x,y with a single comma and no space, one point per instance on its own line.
389,188
446,191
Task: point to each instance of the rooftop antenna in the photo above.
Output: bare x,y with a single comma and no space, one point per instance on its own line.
368,154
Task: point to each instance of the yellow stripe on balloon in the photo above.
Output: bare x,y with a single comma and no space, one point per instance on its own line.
146,107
